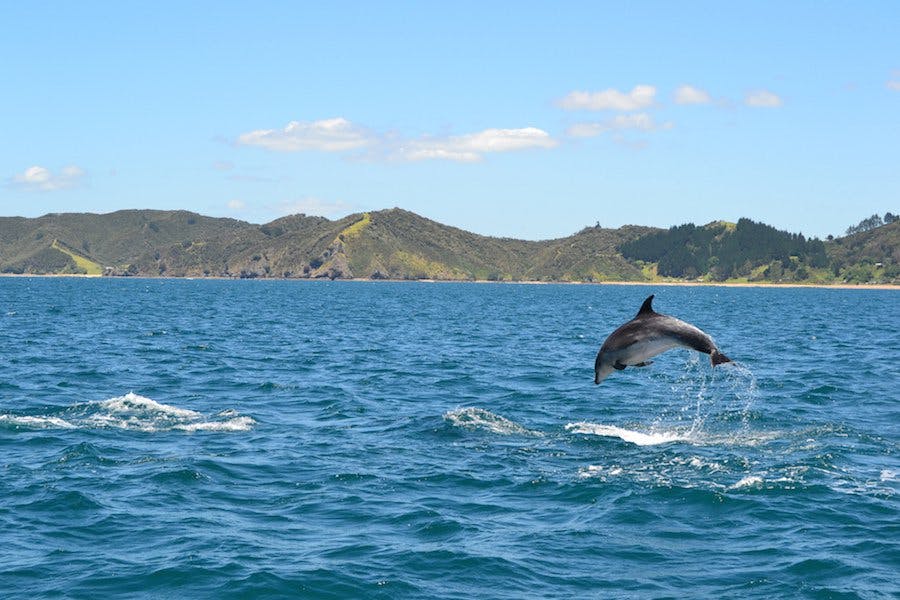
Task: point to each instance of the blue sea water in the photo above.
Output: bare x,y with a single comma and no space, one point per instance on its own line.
244,439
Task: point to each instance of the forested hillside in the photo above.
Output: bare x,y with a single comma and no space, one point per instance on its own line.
723,251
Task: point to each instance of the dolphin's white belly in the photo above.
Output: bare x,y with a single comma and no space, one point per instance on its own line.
643,351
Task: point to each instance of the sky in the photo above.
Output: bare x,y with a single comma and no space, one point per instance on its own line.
519,119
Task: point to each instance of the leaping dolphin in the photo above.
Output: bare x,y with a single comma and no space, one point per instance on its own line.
645,336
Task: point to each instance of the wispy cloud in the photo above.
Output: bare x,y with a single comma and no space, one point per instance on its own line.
641,96
311,205
42,179
472,147
894,82
237,205
327,135
637,121
688,94
763,99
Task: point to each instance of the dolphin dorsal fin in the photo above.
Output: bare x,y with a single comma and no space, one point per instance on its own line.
646,307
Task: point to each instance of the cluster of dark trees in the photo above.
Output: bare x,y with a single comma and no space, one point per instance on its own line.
48,260
872,222
723,252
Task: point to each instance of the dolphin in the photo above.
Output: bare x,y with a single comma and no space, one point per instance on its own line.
646,335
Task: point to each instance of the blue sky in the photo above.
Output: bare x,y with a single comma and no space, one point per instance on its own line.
518,119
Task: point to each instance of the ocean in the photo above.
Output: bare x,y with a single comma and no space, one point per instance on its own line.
312,439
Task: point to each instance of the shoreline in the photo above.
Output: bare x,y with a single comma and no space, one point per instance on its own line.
835,286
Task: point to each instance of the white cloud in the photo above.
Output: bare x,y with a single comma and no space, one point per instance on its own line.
339,135
471,147
688,94
327,135
313,206
763,99
237,204
42,179
637,121
641,96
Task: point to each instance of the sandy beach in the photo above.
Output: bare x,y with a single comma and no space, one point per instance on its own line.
836,286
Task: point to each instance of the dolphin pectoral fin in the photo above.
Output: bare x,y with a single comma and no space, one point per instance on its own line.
646,363
618,366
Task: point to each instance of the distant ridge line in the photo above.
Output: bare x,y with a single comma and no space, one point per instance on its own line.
397,244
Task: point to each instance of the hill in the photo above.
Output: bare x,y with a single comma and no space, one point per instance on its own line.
723,251
398,244
872,255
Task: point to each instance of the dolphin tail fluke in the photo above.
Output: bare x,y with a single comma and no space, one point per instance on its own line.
718,358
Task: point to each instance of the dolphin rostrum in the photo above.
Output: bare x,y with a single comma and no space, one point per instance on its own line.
645,336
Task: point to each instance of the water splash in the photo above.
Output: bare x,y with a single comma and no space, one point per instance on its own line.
635,437
709,400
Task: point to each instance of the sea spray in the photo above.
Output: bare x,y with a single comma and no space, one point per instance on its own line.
635,437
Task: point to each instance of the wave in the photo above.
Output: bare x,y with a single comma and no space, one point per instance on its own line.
750,481
635,437
132,412
478,418
36,422
132,403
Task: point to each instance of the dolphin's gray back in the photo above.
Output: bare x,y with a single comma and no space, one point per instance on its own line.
654,327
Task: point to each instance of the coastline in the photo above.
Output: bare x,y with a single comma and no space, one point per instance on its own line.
835,286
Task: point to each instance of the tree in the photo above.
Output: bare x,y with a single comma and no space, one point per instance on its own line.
866,224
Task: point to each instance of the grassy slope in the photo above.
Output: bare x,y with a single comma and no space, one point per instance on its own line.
399,244
84,265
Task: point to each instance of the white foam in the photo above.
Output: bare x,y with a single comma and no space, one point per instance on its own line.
627,435
599,471
478,418
132,402
888,475
39,422
748,481
590,471
236,424
135,413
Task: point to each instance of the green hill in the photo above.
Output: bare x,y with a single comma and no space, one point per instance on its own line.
398,244
872,255
723,251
